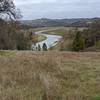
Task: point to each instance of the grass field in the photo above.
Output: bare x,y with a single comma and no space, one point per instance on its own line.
7,53
62,30
43,28
49,76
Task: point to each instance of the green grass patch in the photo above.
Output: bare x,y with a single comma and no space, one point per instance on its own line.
59,31
7,53
97,97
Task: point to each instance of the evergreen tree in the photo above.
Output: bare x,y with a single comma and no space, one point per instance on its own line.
44,47
39,47
79,42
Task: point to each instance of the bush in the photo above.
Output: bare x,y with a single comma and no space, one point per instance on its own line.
92,34
11,38
79,42
23,42
39,47
44,47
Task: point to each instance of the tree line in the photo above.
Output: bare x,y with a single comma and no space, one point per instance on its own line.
87,38
11,36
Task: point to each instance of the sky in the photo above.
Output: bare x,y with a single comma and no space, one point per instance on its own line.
57,9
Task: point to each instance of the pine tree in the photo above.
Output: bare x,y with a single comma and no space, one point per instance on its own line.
39,47
79,42
44,47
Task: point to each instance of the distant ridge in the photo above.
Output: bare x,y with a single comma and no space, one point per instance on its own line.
45,22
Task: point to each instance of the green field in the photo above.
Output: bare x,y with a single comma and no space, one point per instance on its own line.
61,30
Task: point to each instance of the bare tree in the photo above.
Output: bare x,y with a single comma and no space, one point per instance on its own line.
7,8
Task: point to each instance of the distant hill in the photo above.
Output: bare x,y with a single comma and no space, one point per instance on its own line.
44,22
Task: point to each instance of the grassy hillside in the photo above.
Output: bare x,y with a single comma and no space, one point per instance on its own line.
49,76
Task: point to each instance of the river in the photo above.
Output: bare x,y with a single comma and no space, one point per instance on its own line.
50,41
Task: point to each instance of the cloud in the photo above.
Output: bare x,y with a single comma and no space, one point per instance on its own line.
32,9
23,2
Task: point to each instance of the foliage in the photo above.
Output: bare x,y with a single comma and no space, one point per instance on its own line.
88,37
92,34
44,47
23,42
7,8
12,38
79,42
39,47
10,35
68,36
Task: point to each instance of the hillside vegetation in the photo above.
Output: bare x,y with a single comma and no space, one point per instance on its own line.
68,34
88,38
78,39
50,76
12,38
44,22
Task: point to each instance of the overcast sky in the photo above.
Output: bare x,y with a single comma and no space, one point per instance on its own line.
34,9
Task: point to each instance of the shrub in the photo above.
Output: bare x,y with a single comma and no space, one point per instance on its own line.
11,38
44,47
79,42
23,42
39,47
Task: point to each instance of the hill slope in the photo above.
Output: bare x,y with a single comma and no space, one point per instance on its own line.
50,76
81,22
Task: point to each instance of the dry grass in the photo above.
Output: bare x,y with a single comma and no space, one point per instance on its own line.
38,38
50,76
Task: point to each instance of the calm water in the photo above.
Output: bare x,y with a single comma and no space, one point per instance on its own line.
51,40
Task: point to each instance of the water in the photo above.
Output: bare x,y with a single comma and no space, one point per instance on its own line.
51,40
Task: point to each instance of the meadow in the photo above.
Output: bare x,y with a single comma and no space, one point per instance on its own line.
52,75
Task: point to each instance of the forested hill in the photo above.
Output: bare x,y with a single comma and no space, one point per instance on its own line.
75,22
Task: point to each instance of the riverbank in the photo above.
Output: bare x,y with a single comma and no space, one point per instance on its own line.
39,37
50,40
67,34
53,75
